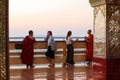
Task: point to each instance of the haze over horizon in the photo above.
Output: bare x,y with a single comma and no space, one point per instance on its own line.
59,16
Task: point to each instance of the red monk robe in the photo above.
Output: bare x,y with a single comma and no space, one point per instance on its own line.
89,51
28,51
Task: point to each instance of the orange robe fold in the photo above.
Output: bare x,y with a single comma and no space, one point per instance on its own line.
89,51
27,51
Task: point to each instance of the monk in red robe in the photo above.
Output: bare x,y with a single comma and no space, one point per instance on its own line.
28,50
89,50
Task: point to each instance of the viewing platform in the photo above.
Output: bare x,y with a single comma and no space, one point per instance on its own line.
106,57
41,71
77,72
40,47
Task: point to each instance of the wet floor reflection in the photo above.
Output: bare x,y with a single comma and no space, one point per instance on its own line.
70,72
57,73
50,74
27,74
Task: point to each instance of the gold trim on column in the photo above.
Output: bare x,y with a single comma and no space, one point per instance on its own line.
100,31
3,41
113,31
97,2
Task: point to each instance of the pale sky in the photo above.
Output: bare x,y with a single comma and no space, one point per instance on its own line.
59,16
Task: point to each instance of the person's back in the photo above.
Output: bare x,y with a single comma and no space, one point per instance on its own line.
28,50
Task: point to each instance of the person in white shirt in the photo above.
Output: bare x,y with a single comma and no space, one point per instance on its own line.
70,49
51,48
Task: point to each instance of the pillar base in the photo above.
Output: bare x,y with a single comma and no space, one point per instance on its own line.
113,69
99,68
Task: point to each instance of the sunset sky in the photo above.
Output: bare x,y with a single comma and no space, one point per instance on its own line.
59,16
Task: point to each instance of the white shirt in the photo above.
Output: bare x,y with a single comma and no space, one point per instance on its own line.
50,40
68,41
51,43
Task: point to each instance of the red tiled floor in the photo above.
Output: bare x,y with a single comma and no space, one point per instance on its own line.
57,73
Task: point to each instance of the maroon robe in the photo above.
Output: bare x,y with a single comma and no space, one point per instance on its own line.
89,51
27,51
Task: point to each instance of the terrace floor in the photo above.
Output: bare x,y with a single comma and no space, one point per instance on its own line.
76,72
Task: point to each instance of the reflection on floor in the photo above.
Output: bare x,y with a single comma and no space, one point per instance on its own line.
76,72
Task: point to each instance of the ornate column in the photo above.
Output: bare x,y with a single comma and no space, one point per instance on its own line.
4,69
107,38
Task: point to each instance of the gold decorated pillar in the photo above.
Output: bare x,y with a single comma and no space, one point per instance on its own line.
106,38
4,65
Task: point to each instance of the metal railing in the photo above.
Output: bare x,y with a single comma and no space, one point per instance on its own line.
42,38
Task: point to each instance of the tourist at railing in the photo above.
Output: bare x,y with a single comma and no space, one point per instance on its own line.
70,49
27,50
89,49
51,48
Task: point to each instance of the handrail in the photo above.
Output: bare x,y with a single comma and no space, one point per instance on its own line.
42,38
14,56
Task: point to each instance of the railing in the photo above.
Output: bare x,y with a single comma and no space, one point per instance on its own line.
42,38
40,48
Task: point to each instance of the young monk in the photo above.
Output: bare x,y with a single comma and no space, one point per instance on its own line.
28,50
89,50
